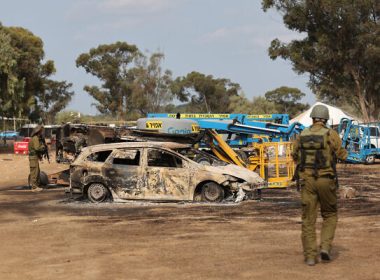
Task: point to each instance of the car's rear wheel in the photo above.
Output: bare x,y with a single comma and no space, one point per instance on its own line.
97,193
212,192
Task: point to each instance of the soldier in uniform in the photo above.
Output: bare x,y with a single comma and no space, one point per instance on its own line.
36,150
316,151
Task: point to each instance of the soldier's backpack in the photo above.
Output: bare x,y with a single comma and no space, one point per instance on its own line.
315,150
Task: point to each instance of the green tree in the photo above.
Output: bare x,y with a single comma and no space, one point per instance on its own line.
205,93
30,71
112,65
55,97
68,116
23,74
8,77
287,100
340,50
151,90
258,105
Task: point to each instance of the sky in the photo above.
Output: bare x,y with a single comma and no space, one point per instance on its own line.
223,38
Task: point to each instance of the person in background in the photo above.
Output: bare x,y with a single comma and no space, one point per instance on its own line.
36,150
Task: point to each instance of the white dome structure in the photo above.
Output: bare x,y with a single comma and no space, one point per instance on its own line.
336,115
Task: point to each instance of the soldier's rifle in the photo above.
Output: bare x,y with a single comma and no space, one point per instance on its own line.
45,153
334,162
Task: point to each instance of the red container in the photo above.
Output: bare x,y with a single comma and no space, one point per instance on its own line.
21,148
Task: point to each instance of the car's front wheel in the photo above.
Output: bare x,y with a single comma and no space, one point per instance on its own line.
370,159
212,192
97,193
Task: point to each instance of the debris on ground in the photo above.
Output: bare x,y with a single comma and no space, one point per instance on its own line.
348,192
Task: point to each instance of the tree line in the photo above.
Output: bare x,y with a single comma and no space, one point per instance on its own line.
340,52
132,84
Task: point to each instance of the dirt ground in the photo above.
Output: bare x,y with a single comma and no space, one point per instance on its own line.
48,236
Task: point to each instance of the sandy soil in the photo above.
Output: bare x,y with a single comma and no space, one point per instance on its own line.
48,236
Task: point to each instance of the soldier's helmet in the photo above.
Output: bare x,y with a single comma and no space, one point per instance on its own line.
320,112
37,129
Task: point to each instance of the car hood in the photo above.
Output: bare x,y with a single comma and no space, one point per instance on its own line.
236,171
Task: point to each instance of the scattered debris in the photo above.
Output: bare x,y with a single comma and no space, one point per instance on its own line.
347,192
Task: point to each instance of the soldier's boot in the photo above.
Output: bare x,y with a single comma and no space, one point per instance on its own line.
310,261
325,256
37,189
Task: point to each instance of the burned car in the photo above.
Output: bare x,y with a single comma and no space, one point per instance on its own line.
155,171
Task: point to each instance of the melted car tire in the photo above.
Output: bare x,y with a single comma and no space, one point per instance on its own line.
97,193
44,180
212,192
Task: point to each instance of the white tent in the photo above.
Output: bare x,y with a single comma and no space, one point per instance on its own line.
336,115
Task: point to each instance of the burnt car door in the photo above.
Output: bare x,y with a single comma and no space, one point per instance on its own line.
123,173
167,176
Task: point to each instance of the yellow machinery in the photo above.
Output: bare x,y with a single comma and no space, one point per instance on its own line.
274,163
272,160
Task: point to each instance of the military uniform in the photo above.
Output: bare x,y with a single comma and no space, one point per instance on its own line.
36,148
315,152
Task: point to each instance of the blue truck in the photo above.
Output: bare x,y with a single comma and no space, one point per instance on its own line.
362,140
8,134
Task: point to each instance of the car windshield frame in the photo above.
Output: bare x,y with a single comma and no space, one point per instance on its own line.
215,161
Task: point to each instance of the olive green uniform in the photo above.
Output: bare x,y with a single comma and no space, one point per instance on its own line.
318,187
36,148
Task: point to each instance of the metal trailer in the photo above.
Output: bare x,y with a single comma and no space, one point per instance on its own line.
362,140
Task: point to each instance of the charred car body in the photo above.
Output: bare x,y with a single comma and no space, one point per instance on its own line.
155,171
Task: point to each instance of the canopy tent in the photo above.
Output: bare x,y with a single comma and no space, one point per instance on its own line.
336,115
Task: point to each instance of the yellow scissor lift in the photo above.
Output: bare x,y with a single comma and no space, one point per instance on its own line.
272,160
274,163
